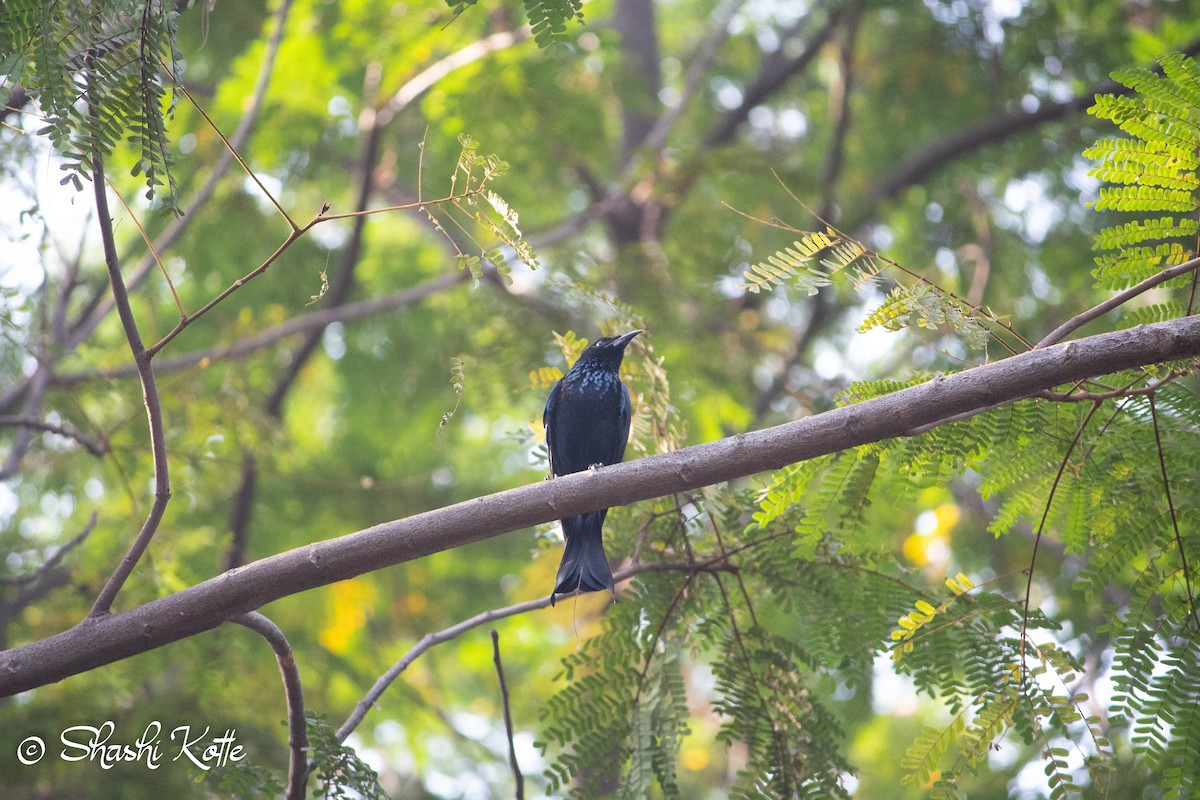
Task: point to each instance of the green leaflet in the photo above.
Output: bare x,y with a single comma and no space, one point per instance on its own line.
111,55
1150,172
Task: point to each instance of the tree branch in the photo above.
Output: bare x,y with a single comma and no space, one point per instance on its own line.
97,311
508,723
142,358
431,640
37,383
293,689
312,321
921,165
1079,320
34,585
102,640
33,423
774,73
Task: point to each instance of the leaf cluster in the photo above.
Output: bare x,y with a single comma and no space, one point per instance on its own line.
97,72
1152,172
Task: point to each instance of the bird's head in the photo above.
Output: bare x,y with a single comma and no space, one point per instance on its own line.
608,349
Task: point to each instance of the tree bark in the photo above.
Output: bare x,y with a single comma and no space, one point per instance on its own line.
108,638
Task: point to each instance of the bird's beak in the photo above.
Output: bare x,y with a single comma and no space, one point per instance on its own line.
625,339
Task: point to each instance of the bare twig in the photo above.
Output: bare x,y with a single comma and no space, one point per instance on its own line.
246,346
839,100
34,585
1062,468
1058,397
240,511
150,247
1162,465
154,415
98,310
652,649
96,448
428,77
293,690
776,70
321,216
370,133
508,722
426,642
820,305
23,437
237,156
431,640
53,561
1079,320
937,155
694,78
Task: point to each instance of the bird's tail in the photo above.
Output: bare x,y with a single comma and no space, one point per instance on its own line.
584,565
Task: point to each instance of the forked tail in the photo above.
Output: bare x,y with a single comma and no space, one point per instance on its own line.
584,565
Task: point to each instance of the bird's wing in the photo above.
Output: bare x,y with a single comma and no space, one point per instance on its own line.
548,417
626,413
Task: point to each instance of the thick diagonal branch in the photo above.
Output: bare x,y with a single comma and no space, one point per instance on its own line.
98,641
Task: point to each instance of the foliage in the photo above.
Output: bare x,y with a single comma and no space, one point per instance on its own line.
1119,506
339,770
1002,570
814,260
1154,171
97,71
547,18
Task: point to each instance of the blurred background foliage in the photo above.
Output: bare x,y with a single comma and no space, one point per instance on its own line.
946,134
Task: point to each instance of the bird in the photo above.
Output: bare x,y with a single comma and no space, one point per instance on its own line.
587,425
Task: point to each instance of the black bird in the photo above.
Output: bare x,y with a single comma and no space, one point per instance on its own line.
587,425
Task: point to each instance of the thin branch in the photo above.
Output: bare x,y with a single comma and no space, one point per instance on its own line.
428,77
1128,390
240,512
921,165
150,247
431,640
242,348
236,155
737,574
1058,397
820,305
96,448
1162,465
508,722
154,415
1062,468
23,438
98,310
640,71
204,606
53,561
764,706
1079,320
652,647
321,216
293,690
774,73
370,134
427,642
694,78
34,585
840,91
982,312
